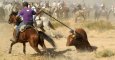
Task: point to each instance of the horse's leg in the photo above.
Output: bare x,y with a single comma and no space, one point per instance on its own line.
43,46
24,48
11,46
107,17
76,18
35,47
84,17
42,43
42,29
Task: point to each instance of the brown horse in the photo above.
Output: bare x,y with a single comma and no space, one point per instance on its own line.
79,40
30,35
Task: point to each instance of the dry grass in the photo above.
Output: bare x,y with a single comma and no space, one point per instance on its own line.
58,24
100,40
91,25
104,53
98,25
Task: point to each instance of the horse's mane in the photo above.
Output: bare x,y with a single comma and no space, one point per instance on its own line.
18,18
14,13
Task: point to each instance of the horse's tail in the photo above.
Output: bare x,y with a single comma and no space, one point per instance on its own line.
46,37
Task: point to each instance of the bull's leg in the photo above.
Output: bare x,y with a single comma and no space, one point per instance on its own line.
10,50
24,48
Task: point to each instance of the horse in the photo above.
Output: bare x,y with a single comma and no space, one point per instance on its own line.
8,8
42,20
79,40
65,11
80,14
30,34
2,12
101,12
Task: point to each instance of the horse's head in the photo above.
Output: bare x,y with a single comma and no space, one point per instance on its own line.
13,18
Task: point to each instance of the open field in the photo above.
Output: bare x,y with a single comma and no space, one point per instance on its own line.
103,39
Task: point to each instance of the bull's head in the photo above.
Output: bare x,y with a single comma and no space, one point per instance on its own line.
70,38
79,40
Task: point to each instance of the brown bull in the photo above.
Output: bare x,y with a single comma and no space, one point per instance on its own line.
79,40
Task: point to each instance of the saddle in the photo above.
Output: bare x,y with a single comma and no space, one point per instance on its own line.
24,27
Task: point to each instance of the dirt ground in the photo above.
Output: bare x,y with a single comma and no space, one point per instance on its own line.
101,39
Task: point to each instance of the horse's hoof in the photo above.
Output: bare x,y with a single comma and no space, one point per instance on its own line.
24,53
40,53
13,40
47,53
9,52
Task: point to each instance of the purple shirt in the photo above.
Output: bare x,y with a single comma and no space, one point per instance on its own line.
27,14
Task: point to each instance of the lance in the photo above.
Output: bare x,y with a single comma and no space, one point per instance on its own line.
56,19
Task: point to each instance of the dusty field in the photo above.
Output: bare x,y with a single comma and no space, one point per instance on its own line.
101,39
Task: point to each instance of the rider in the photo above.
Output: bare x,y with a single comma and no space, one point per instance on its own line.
79,7
27,17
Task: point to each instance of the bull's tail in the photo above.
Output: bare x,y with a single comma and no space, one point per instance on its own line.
46,37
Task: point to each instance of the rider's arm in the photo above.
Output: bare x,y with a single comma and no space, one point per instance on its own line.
38,12
20,13
33,12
